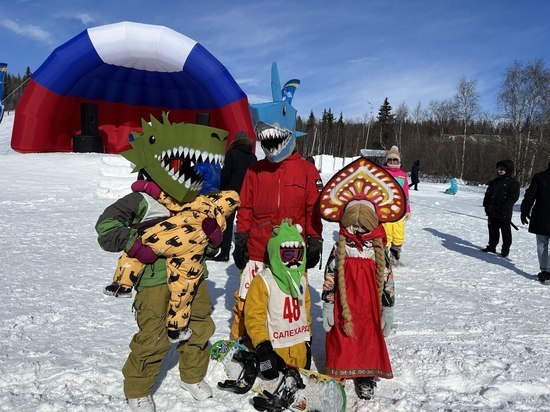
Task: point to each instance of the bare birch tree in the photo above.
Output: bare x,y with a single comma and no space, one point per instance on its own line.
522,98
467,106
401,115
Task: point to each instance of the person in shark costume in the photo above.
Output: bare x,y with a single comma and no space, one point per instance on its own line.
283,185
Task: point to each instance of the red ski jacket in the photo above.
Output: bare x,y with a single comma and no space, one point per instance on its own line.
273,191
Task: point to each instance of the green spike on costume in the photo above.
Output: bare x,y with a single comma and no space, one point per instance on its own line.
169,152
287,278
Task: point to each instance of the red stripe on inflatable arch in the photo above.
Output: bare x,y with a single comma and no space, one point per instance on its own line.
48,121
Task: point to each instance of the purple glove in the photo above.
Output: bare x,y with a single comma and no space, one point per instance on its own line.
142,252
213,231
151,188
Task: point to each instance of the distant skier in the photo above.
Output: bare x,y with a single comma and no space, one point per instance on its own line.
453,188
500,197
415,179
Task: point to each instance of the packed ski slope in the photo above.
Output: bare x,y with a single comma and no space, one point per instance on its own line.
471,329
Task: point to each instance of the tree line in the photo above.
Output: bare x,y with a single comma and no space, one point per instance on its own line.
451,137
14,85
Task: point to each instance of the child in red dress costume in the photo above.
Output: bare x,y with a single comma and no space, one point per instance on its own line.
358,291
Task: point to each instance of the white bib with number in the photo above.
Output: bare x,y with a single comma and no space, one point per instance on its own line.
286,316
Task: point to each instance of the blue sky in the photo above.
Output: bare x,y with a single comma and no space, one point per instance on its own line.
347,54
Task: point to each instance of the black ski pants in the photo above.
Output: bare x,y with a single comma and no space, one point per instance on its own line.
225,248
497,226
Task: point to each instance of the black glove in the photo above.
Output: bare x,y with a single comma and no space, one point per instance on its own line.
270,362
314,248
525,218
240,254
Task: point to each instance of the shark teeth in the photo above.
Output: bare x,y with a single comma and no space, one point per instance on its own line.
273,139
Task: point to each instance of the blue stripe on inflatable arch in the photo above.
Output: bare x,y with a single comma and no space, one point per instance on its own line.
76,69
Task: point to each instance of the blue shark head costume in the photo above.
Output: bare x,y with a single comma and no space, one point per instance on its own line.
275,122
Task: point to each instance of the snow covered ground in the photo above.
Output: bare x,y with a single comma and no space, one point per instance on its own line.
472,329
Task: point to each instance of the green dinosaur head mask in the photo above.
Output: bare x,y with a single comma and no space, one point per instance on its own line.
286,250
169,154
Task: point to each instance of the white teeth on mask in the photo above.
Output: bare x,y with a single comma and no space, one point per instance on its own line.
185,151
181,178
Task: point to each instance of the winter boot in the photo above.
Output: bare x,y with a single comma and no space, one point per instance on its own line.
544,278
488,249
504,252
118,291
200,390
395,251
365,387
144,404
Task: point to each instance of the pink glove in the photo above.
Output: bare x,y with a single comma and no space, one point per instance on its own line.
151,188
213,231
142,252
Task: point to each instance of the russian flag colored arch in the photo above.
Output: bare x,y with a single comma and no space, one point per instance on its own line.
130,71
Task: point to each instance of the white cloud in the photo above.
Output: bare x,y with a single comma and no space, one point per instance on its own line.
29,31
84,18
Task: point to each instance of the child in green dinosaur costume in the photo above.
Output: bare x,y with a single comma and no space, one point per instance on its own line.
277,310
168,154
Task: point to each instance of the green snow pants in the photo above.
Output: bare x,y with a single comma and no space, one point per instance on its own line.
150,344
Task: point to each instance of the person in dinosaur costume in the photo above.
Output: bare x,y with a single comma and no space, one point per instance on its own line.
183,240
168,155
283,185
277,312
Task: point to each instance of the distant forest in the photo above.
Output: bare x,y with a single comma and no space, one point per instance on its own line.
451,138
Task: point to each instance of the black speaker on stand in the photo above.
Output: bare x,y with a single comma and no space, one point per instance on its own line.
88,119
88,140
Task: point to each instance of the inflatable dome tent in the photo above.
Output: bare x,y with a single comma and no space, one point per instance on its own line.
125,71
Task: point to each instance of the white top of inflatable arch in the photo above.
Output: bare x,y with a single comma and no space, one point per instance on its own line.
141,46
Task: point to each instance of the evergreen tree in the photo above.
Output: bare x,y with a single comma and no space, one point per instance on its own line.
386,119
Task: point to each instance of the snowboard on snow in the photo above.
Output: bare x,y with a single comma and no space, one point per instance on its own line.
294,390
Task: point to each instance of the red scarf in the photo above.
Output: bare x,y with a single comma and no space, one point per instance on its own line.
360,239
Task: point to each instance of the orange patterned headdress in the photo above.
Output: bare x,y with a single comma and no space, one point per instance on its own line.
363,180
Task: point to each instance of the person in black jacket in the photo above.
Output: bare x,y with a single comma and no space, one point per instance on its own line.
415,169
538,194
499,200
237,159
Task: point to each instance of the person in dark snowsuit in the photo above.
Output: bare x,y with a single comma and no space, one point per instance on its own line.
536,206
499,200
237,159
415,180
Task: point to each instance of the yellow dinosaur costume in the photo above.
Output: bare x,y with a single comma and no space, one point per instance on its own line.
185,254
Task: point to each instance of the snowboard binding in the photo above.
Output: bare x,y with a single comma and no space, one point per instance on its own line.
283,396
246,378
